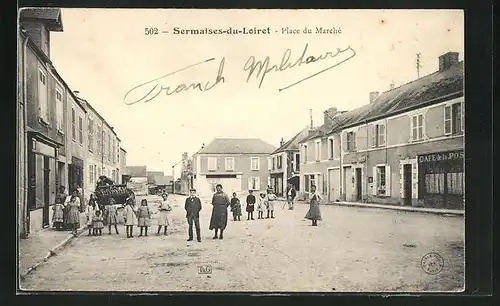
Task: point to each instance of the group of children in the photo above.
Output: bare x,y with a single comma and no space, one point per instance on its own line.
266,202
132,215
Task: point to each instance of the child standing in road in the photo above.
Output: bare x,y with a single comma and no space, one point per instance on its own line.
144,216
250,205
129,216
271,197
236,207
97,223
261,205
58,216
164,209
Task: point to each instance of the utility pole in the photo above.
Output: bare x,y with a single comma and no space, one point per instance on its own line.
418,66
311,117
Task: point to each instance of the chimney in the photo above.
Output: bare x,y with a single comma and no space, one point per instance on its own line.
373,96
329,114
282,142
76,92
311,116
392,86
447,60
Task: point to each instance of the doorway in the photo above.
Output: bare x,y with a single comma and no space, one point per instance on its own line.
407,184
347,195
358,184
46,192
333,185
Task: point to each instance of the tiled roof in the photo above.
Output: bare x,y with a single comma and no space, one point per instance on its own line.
51,16
293,143
427,90
237,146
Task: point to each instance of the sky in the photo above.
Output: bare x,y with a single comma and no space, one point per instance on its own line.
105,53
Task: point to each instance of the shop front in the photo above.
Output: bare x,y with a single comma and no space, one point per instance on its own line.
75,179
42,178
442,179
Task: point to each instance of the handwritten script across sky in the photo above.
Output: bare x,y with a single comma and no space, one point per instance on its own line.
253,68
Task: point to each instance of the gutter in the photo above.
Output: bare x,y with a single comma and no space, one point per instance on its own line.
25,148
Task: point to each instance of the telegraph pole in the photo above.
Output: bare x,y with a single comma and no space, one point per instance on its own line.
418,66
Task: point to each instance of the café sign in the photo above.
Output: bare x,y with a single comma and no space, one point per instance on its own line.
442,156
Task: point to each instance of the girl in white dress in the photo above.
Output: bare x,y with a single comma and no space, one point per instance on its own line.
164,209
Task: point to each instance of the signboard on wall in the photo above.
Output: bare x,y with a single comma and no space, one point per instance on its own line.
441,156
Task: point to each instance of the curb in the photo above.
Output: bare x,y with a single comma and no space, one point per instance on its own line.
402,208
436,211
53,251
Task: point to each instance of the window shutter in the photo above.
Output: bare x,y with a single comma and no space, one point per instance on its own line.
374,136
382,135
249,183
388,181
375,187
447,120
414,180
354,141
401,180
463,117
257,183
344,141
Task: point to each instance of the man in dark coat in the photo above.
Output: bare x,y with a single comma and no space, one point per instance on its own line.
193,207
218,221
290,195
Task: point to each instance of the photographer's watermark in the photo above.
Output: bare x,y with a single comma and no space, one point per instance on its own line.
432,263
205,269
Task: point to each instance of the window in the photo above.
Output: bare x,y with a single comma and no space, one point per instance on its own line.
80,130
382,180
73,124
59,111
99,140
350,142
91,174
274,162
113,151
304,150
331,144
279,161
434,183
453,118
417,127
212,163
297,162
230,163
254,183
42,96
254,163
317,150
378,135
109,146
104,147
309,181
90,134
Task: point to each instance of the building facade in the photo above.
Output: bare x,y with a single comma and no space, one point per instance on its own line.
320,157
406,147
237,164
53,144
103,149
40,139
284,164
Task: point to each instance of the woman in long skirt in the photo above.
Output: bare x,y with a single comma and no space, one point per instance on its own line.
164,209
314,214
218,220
74,212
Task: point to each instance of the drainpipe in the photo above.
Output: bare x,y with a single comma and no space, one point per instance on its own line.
25,136
366,165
